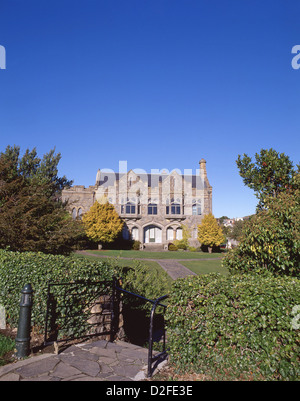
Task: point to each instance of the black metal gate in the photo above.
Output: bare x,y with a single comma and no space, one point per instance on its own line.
72,311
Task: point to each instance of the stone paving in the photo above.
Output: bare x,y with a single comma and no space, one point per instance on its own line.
94,361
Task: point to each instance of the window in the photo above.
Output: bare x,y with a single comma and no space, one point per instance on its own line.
170,234
135,234
129,208
173,209
125,233
80,213
74,213
152,208
196,209
179,234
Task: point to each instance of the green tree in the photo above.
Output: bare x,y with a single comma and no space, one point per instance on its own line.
271,238
209,232
102,223
32,217
270,174
237,230
36,171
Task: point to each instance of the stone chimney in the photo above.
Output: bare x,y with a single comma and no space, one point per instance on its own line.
202,164
98,176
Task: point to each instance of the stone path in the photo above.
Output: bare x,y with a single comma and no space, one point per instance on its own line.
174,268
94,361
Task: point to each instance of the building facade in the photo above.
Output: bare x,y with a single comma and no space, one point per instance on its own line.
153,206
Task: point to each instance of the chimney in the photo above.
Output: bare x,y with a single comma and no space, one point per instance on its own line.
98,178
202,164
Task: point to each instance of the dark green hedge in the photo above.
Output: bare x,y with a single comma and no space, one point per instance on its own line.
235,327
18,269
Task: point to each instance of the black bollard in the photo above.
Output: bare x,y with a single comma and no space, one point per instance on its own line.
24,326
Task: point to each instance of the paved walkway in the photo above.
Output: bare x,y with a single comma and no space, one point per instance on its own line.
174,268
94,361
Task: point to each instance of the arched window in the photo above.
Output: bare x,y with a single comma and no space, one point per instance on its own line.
125,232
135,234
152,234
74,213
80,212
179,233
170,234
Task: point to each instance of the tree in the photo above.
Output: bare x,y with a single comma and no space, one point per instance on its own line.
102,223
36,171
271,238
209,232
271,174
32,217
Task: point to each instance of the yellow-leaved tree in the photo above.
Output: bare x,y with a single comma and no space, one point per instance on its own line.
209,232
102,223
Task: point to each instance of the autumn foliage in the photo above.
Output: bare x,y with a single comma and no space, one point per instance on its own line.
209,232
102,223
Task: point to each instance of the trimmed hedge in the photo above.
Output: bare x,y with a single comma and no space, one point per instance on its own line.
17,269
235,327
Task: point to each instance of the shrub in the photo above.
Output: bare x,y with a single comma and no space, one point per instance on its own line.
172,247
181,244
18,269
192,249
239,325
136,245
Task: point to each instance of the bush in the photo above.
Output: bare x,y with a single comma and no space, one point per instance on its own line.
18,269
181,244
238,326
270,240
136,245
192,249
172,247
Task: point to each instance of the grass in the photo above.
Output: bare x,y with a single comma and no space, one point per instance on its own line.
205,266
197,264
7,345
149,264
155,255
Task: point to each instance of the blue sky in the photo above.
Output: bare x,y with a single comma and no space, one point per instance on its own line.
158,83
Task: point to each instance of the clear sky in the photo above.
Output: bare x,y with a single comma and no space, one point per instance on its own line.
158,83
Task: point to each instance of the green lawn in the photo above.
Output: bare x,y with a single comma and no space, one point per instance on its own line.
205,266
150,264
156,255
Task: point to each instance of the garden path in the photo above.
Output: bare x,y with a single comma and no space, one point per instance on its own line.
95,361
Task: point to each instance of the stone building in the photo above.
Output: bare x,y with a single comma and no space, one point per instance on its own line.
153,206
